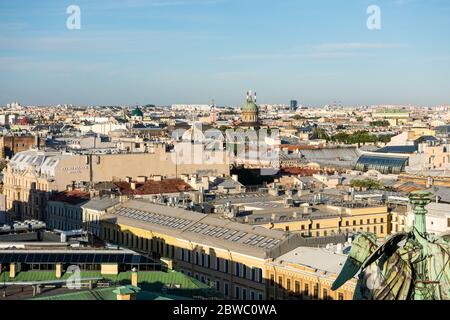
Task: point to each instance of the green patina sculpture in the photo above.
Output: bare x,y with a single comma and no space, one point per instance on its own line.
407,266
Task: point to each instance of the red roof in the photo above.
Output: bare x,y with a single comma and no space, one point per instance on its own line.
292,147
154,187
71,197
299,171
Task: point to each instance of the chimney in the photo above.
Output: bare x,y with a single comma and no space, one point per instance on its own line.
133,185
128,179
123,198
36,142
134,277
142,179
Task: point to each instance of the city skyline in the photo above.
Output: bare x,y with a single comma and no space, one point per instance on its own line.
193,51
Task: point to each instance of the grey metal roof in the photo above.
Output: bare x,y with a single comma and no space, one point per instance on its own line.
199,228
101,204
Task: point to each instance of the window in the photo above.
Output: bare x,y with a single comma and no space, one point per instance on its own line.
218,285
236,269
280,281
244,294
382,220
252,295
225,289
237,292
381,229
325,294
347,223
354,222
317,225
306,291
272,280
297,287
340,296
288,284
225,266
217,264
316,291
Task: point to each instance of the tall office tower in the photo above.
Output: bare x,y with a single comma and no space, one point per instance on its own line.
294,105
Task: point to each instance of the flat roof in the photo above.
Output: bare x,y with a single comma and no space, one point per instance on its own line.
103,203
320,259
199,228
75,257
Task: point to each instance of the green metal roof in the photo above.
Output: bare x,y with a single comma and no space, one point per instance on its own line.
106,294
137,112
250,106
168,283
126,290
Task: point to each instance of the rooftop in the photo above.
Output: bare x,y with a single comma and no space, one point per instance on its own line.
199,228
101,204
154,187
320,259
73,197
155,285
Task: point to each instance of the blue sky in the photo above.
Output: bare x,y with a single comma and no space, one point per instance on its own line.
192,51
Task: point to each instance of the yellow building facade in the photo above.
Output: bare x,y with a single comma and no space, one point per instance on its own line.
347,220
237,273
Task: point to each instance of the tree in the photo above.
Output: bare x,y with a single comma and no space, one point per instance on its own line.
368,184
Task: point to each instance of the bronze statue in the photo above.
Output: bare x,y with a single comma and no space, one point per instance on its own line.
407,266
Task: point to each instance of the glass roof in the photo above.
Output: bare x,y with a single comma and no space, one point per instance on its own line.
381,164
74,258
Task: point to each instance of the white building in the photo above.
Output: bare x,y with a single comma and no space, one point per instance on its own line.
437,218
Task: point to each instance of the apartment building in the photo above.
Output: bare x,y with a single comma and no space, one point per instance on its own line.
32,176
320,220
12,144
64,210
237,259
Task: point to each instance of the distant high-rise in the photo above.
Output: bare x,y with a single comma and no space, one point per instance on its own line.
294,105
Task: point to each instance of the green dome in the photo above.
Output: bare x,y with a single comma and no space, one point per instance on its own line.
250,106
137,113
